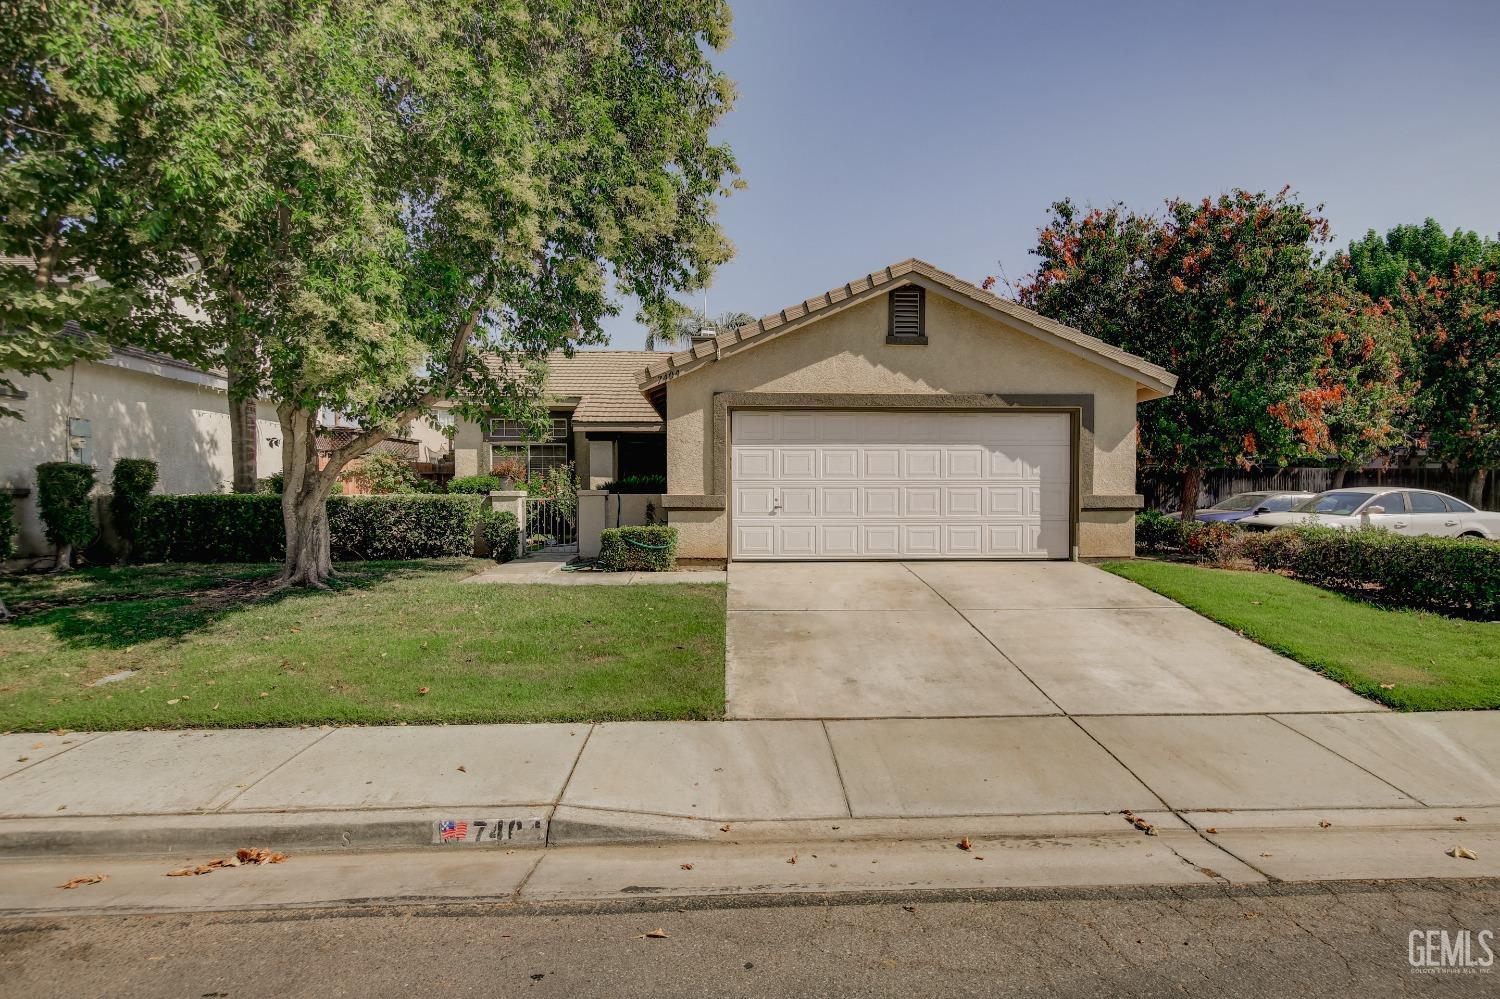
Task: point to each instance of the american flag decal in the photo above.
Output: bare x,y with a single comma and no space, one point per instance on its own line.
450,831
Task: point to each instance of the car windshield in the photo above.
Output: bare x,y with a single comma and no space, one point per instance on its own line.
1337,504
1243,501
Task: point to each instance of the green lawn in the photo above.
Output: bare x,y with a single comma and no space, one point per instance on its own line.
208,653
1434,663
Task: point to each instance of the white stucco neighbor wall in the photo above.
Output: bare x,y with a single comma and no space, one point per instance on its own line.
136,409
846,353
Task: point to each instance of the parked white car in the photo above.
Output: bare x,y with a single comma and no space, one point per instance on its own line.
1404,511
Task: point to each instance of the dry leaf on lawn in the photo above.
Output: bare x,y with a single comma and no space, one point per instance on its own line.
422,690
1463,853
87,879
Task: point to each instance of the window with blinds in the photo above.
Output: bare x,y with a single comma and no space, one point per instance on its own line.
908,315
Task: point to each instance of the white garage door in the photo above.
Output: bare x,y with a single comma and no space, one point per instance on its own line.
849,485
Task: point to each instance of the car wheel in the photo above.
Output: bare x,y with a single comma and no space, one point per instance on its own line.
1473,536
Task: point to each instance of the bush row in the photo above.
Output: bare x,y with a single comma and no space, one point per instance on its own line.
1450,575
246,527
638,549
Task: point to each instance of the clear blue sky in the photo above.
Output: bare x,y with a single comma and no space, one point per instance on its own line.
872,131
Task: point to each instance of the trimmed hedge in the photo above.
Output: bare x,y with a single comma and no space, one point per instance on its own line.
638,549
247,527
638,484
1158,534
401,526
132,482
476,484
62,490
502,534
1453,575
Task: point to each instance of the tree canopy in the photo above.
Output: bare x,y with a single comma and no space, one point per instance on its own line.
1228,294
383,205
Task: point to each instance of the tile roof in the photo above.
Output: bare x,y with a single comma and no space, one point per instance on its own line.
604,383
911,271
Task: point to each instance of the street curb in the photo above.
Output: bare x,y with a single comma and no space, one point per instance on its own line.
534,827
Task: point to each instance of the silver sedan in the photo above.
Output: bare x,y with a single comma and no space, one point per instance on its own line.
1404,511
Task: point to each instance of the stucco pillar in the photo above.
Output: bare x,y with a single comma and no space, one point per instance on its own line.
592,507
468,442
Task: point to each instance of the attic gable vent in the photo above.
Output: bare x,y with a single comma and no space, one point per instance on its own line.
908,312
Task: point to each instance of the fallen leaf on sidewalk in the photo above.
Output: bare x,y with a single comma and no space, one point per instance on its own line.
1138,822
964,844
686,867
909,908
258,855
87,879
1212,830
792,859
1462,853
1324,824
978,857
1459,818
656,934
725,827
463,769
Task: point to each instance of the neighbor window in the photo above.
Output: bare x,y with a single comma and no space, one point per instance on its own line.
509,438
908,315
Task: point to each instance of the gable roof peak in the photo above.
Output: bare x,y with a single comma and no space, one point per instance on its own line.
1152,376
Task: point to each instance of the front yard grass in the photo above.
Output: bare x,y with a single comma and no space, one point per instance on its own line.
207,651
1433,663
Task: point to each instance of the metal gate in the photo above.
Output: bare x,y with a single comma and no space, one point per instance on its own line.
549,525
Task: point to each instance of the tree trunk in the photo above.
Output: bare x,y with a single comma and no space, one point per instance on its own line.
1337,481
304,501
242,437
63,557
1192,479
1476,487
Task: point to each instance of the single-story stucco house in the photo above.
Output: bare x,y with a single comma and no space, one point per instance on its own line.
905,415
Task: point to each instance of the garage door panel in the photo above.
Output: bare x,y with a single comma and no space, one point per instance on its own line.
847,484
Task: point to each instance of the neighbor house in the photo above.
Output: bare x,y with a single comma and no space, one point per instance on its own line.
905,415
140,404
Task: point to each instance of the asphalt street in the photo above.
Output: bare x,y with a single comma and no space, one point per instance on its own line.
1325,940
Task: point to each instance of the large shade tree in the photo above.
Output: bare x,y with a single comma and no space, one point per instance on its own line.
84,259
1445,288
381,196
1225,293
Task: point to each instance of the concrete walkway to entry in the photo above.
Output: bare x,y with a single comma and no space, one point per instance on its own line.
956,639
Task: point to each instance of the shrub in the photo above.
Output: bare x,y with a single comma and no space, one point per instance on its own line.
1156,533
557,484
63,489
401,527
1211,541
7,526
638,484
479,484
212,527
382,473
1442,574
270,484
132,482
248,527
502,534
509,466
638,549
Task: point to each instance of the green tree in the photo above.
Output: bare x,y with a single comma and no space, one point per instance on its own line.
377,195
1443,287
1380,264
86,249
1223,292
682,323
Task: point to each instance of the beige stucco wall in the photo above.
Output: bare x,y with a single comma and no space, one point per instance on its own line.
846,352
181,424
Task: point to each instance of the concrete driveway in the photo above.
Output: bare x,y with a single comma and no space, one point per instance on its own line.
960,639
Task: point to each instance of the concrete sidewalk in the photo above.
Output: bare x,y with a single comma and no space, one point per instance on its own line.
766,781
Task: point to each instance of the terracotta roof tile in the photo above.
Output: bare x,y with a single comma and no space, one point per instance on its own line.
605,384
660,368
